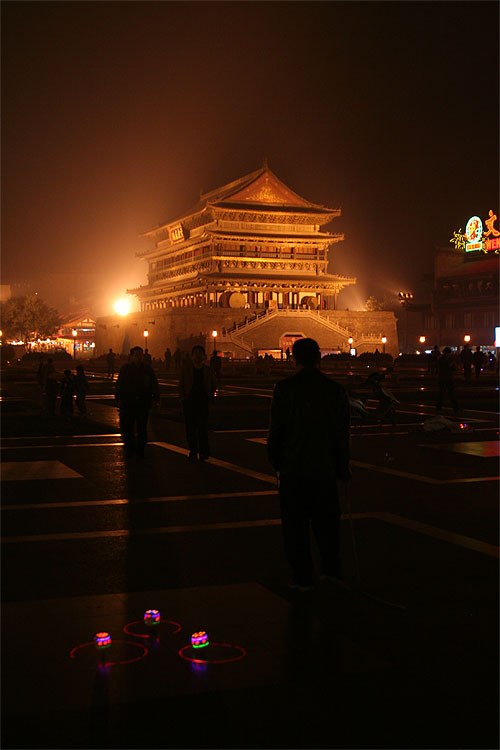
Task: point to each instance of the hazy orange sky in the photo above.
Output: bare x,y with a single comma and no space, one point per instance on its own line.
116,114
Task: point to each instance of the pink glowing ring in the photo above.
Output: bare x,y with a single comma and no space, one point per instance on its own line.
152,617
144,653
102,640
148,635
200,639
213,661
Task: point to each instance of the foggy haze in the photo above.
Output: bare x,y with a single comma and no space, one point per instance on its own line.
116,115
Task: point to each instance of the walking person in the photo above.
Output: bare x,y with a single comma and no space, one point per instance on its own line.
135,391
216,364
434,360
110,359
67,394
168,359
81,390
466,357
445,380
308,446
147,358
196,388
477,360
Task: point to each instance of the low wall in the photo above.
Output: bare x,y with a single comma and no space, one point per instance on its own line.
174,327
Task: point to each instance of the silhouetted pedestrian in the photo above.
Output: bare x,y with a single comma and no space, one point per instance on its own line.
288,354
147,358
445,380
216,365
477,360
466,358
81,390
67,394
196,387
434,360
168,359
135,390
308,446
110,359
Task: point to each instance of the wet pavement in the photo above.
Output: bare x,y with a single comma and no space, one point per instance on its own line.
407,657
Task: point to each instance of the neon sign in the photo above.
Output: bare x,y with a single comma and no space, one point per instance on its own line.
474,239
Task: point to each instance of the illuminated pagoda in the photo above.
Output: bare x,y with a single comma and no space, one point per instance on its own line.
252,243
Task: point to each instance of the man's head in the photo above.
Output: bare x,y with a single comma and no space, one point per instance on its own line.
446,350
198,355
306,353
136,354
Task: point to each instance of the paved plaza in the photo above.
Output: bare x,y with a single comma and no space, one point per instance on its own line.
406,657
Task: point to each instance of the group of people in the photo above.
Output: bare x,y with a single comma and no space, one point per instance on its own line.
136,391
72,388
467,360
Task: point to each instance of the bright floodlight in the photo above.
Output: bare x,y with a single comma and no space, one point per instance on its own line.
122,306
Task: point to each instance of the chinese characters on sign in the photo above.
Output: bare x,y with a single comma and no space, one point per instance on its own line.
177,233
474,239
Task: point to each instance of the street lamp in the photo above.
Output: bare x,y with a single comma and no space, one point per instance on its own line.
214,336
422,339
466,338
384,342
74,333
146,334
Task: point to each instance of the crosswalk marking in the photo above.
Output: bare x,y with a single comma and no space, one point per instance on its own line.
139,501
459,540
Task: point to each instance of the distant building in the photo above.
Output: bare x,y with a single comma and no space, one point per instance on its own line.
82,343
248,261
465,298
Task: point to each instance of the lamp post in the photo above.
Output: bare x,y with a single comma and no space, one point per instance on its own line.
422,339
350,341
214,336
74,334
146,334
467,338
384,342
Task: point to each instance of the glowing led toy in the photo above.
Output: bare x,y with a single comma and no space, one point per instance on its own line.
102,640
199,640
152,617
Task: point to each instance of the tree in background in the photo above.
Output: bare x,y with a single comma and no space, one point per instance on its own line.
28,318
388,302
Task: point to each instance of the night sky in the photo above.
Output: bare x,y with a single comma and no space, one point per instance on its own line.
116,114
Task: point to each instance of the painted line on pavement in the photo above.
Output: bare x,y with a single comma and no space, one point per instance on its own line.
59,446
422,528
270,478
60,437
447,536
139,501
419,477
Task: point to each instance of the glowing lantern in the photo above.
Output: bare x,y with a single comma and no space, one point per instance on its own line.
200,639
102,640
151,617
466,338
422,339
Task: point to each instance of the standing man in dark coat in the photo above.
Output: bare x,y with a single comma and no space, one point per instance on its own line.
308,446
196,388
135,390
